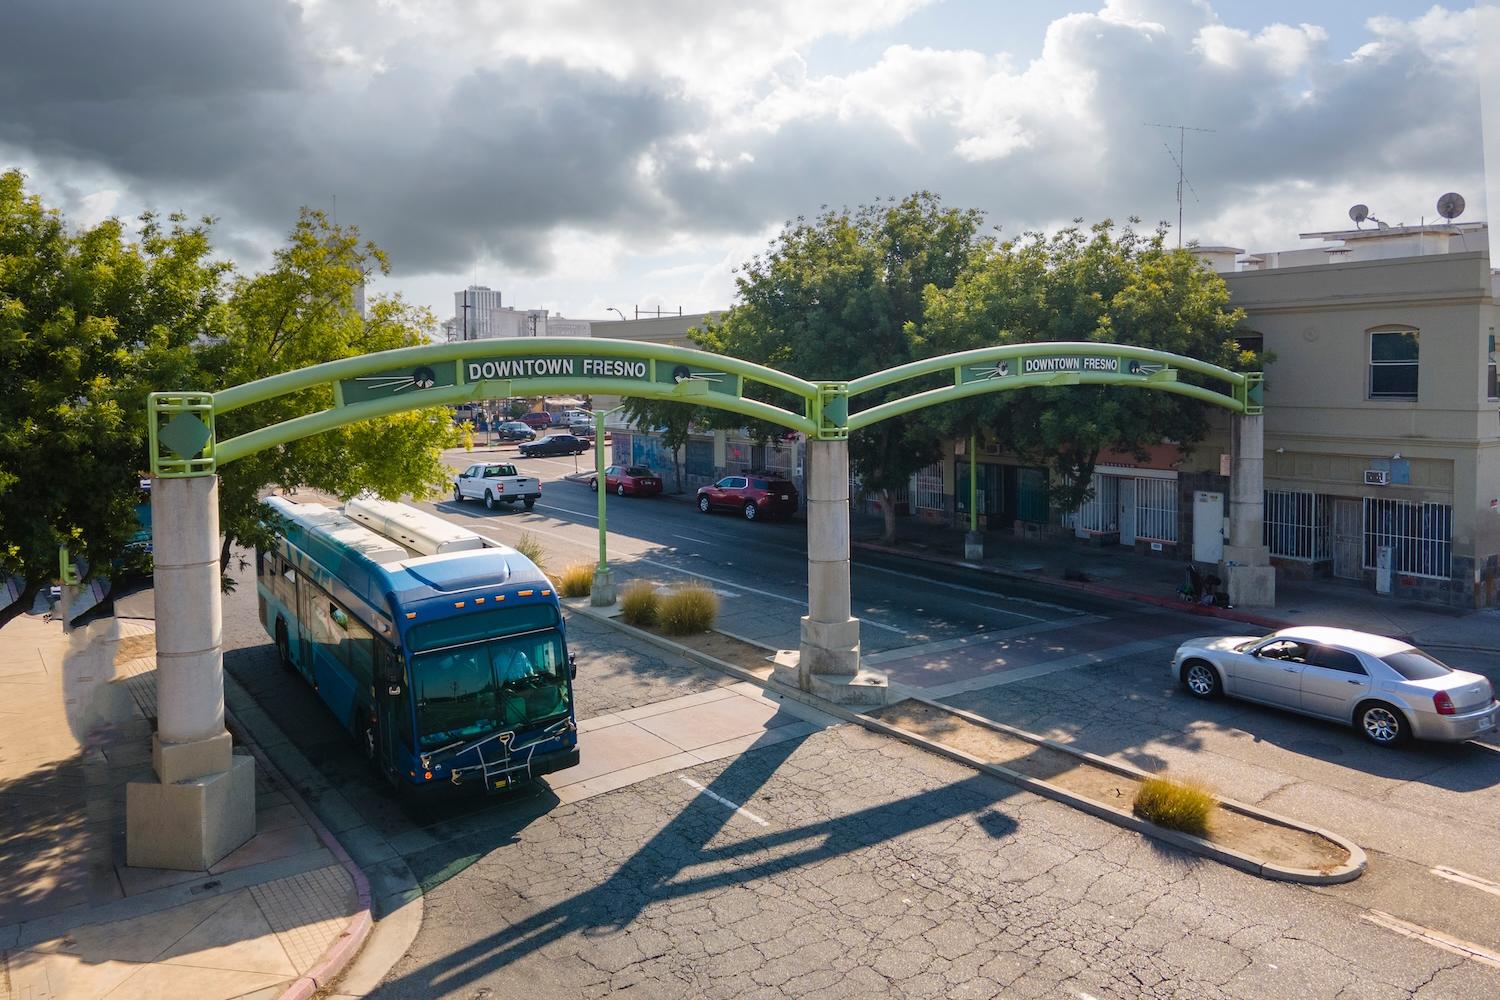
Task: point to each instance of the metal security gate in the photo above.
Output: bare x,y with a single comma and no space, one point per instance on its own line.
1348,539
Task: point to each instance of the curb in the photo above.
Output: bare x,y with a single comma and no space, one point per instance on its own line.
1100,590
352,938
1347,872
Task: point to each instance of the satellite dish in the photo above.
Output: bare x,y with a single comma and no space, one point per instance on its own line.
1451,205
1359,213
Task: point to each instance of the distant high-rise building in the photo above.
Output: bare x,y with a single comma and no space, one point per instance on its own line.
474,308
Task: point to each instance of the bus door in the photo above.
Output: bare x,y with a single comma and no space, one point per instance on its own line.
307,596
393,707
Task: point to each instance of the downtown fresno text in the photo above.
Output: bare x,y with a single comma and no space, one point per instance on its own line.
534,367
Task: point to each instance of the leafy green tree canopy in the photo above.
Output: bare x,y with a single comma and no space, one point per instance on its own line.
1103,284
844,295
90,321
299,313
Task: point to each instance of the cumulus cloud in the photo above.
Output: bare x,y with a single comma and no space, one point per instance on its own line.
657,140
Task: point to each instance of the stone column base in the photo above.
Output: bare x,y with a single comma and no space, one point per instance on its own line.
602,595
190,825
1251,586
861,688
973,545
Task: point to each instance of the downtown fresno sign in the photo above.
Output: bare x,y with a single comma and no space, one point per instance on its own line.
1061,365
527,375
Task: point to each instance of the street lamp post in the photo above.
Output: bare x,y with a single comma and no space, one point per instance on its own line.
614,310
603,592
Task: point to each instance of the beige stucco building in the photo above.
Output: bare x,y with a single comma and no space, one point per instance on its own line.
1382,426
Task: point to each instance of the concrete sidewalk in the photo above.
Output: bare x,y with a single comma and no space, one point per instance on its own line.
1117,572
76,716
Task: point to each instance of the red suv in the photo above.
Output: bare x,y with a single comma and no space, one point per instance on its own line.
755,496
537,421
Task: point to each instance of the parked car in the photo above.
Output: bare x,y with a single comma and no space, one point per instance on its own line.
514,430
555,444
496,484
629,480
1386,688
582,428
538,420
753,496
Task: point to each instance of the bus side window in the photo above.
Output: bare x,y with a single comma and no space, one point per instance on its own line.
261,563
359,644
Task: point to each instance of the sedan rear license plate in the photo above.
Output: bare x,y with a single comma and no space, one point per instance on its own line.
499,783
1485,723
785,497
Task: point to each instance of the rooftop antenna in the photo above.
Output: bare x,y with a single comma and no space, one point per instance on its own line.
1180,159
1359,213
1450,206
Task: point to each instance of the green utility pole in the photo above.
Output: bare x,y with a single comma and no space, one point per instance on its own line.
603,592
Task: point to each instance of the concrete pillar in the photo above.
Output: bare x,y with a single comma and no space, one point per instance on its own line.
1246,568
203,804
827,662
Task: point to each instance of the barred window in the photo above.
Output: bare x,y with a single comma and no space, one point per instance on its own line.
1156,509
1297,525
1420,536
1102,511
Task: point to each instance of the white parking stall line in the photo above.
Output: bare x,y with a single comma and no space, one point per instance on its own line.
1453,945
1464,878
733,806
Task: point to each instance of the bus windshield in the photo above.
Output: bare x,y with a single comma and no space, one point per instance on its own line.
466,692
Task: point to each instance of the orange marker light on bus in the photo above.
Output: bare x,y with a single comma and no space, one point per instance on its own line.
478,600
525,593
411,614
499,598
459,604
546,593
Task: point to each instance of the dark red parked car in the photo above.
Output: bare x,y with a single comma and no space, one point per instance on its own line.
629,480
754,496
537,421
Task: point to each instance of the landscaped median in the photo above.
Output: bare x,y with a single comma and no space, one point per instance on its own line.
1237,834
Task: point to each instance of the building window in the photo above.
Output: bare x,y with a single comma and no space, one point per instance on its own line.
1156,509
927,487
1101,512
1297,525
1494,388
1393,364
1420,536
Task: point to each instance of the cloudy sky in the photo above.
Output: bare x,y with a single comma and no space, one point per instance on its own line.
583,154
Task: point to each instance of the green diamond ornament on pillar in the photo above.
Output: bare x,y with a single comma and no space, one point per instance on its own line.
182,434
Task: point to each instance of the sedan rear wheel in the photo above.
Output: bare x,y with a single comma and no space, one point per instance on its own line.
619,489
1201,680
594,484
1382,724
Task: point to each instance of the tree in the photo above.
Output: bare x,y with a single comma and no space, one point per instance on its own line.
300,313
843,296
1099,285
90,322
675,420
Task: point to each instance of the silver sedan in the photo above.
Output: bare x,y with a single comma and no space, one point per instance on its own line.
1387,689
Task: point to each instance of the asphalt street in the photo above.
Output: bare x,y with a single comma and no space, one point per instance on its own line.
869,868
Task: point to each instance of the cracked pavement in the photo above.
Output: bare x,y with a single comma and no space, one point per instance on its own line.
884,871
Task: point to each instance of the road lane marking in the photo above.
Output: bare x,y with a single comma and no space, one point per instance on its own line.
1437,939
1464,878
685,572
733,806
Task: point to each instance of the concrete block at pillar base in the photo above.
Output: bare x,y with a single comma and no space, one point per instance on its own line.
602,595
865,688
1251,586
973,545
190,825
1245,555
174,762
830,647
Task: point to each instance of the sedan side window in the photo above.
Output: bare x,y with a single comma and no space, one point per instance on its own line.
1283,649
1335,659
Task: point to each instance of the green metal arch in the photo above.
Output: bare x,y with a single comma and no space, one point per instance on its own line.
183,422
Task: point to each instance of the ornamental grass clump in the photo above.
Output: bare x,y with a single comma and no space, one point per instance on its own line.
577,580
639,603
1175,805
689,610
530,546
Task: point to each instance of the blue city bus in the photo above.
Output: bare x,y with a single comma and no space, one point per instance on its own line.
442,652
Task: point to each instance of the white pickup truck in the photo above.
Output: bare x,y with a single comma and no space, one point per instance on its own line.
496,483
